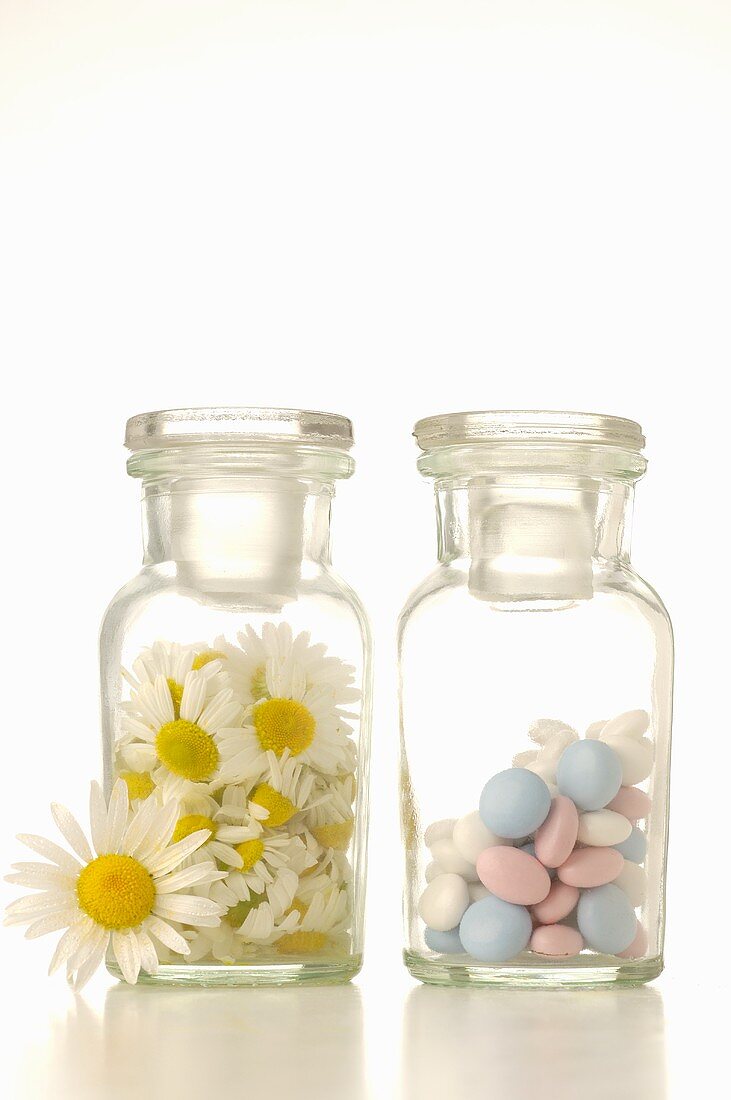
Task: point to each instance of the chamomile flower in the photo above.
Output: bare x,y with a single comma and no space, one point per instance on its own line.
174,662
123,890
180,747
330,819
247,663
284,790
295,719
221,944
221,842
267,870
259,926
320,926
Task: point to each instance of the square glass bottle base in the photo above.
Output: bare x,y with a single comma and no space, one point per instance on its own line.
305,972
590,971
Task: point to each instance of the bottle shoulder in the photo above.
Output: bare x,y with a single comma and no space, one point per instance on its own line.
614,584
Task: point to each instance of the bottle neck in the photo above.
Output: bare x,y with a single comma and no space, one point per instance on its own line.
253,534
533,542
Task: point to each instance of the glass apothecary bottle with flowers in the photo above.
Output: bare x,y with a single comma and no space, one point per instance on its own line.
235,675
536,670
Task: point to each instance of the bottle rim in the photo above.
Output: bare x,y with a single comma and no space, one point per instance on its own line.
155,431
528,426
231,442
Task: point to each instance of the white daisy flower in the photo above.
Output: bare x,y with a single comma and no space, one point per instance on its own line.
180,747
295,719
265,871
320,927
221,841
284,791
248,662
330,819
259,926
126,895
221,944
174,662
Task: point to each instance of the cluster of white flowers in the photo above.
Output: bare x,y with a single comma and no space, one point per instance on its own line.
235,765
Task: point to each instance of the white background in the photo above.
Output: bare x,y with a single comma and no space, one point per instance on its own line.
386,209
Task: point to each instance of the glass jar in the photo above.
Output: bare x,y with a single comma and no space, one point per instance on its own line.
235,671
536,670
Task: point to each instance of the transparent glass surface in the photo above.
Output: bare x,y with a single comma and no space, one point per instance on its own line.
260,654
534,612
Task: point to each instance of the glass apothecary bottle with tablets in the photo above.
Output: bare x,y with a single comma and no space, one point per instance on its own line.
536,690
235,675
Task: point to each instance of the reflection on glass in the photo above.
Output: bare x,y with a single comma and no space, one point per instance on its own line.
511,1044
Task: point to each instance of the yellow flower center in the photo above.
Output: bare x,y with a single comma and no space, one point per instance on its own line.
281,808
258,684
116,891
139,784
297,906
176,694
251,852
336,835
205,658
301,943
284,724
191,823
187,750
238,913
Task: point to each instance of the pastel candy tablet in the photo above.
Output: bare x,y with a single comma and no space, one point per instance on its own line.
556,837
606,919
443,902
446,943
514,803
588,867
432,870
633,880
513,875
556,939
635,755
638,947
447,856
558,903
634,847
633,723
600,828
477,890
589,773
493,930
470,836
632,803
438,830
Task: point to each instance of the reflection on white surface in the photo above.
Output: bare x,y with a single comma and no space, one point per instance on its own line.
189,1043
515,1044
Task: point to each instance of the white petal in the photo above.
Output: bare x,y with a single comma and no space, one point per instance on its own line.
189,876
139,826
149,961
194,692
225,853
127,954
88,947
37,905
186,908
98,818
49,850
52,923
41,876
164,861
79,980
160,831
166,935
117,816
71,831
70,942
